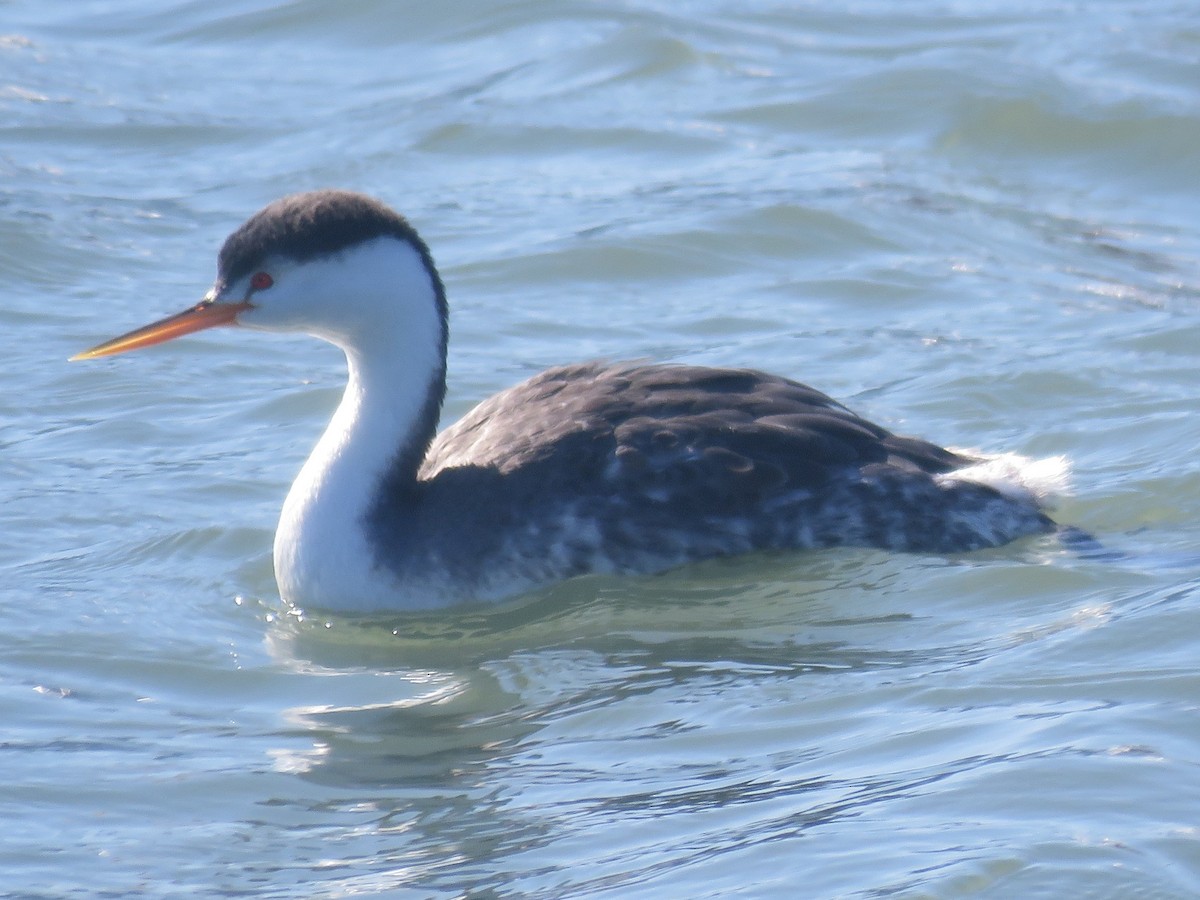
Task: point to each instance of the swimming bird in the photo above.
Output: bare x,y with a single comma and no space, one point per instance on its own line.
596,467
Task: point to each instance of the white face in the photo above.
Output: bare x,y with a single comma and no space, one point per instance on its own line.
374,299
345,298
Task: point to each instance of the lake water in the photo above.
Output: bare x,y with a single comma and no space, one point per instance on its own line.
976,222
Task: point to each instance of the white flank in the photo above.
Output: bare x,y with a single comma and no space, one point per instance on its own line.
1017,476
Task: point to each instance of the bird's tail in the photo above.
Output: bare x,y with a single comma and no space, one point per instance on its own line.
1038,481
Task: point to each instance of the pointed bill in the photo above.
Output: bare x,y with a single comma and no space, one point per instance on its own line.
205,314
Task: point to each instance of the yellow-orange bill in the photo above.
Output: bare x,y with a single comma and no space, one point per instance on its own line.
206,314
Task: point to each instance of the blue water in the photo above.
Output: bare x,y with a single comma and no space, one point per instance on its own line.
973,222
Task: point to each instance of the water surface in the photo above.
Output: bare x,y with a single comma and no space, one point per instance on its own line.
974,222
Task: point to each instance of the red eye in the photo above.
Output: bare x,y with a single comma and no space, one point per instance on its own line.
260,281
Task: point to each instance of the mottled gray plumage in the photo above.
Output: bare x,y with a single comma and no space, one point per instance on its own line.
636,468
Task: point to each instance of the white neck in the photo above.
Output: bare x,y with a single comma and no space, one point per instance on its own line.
322,554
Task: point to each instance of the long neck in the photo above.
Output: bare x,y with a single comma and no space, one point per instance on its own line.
370,453
379,433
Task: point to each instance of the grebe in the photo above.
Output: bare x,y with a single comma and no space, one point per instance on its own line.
588,468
